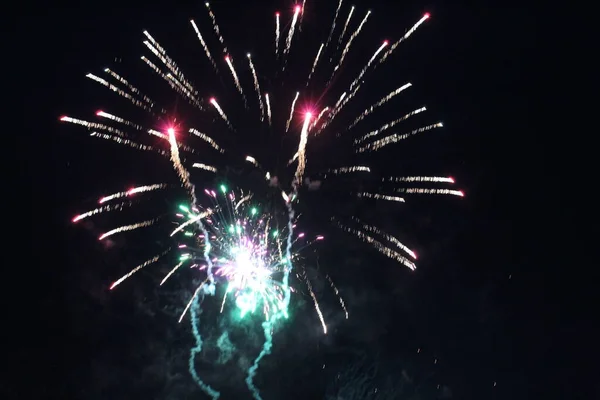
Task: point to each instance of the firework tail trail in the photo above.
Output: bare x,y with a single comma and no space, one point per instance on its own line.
366,67
204,46
288,42
216,105
289,121
337,11
268,107
119,91
256,87
345,27
347,47
394,138
236,80
216,27
277,28
312,71
382,101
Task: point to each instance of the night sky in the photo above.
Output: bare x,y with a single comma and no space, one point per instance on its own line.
478,319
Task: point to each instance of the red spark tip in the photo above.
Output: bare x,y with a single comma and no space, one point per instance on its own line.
277,14
298,8
212,100
385,42
461,194
226,58
112,286
171,131
75,219
451,179
64,117
308,114
426,15
99,112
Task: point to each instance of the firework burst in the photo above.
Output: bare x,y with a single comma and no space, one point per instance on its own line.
232,240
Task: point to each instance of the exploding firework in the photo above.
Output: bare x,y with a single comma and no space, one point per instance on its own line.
231,237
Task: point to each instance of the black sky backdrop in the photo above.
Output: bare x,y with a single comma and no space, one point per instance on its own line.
480,316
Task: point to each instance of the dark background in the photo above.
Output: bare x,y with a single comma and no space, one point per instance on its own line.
486,302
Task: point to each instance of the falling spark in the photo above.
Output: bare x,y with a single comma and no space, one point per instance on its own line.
378,196
345,26
171,272
277,34
394,138
184,175
317,308
314,66
236,80
100,210
389,125
379,246
216,105
256,87
94,125
394,240
132,88
119,91
252,160
127,228
205,167
348,44
302,148
207,139
268,107
192,221
347,170
431,191
403,38
337,11
139,189
419,179
337,293
379,103
358,80
289,121
215,26
136,269
288,42
204,46
117,119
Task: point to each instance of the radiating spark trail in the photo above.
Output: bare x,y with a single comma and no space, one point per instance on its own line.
161,54
118,119
431,191
119,91
236,80
348,44
381,102
314,66
302,149
317,308
127,142
204,167
277,34
378,196
289,121
347,170
139,189
100,210
184,175
394,138
323,111
192,299
174,83
216,27
136,269
301,15
387,236
288,42
389,125
132,88
337,293
419,179
127,228
171,272
345,26
403,38
207,139
268,107
213,101
256,87
358,80
204,46
337,11
191,221
394,255
94,125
